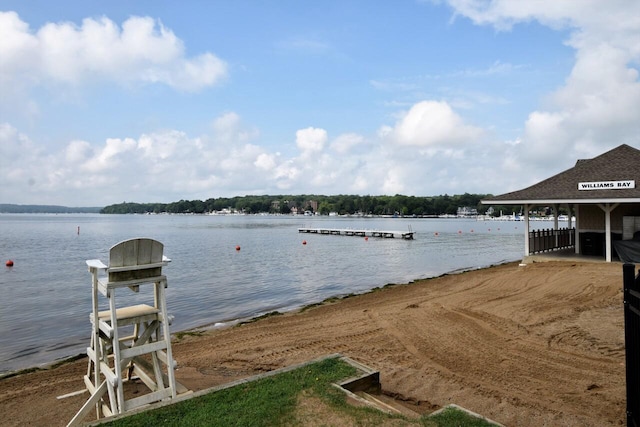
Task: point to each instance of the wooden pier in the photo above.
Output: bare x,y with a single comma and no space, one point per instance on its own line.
407,235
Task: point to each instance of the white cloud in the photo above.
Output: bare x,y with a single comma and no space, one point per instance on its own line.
78,152
432,124
158,147
394,181
229,129
266,162
346,142
159,166
597,107
311,140
170,165
141,51
430,148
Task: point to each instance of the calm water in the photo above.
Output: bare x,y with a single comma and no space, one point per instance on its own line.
45,297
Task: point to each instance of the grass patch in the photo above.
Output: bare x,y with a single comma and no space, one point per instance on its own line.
265,402
286,399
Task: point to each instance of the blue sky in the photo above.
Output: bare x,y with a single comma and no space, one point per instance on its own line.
157,101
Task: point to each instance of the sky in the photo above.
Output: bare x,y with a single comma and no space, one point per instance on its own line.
159,101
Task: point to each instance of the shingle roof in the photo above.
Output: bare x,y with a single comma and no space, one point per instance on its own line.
620,164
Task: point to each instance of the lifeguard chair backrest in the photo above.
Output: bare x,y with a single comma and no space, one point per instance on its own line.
144,256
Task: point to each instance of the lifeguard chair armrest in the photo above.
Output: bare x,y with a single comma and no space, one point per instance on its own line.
136,267
104,284
95,263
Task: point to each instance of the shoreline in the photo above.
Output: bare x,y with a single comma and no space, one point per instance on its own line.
223,324
536,345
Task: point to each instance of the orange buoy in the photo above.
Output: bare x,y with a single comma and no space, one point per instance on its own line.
9,263
237,247
304,242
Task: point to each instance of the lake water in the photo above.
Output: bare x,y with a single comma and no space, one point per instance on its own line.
45,297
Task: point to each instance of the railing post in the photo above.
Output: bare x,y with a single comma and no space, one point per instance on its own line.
631,301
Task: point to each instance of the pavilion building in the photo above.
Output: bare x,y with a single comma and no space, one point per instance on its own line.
603,194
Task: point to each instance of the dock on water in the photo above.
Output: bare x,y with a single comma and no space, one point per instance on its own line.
407,235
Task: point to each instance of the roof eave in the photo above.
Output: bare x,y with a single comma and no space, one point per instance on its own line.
559,201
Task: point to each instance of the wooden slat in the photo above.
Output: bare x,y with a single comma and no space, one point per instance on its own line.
106,328
128,353
88,405
88,384
108,373
105,285
125,313
147,398
145,377
136,267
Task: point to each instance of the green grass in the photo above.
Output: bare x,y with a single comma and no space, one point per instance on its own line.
272,401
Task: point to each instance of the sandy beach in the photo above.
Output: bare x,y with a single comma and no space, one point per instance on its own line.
534,345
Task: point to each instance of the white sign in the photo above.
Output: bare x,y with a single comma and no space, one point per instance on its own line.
607,185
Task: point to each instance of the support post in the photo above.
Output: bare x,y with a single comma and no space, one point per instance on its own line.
555,224
607,208
526,230
577,234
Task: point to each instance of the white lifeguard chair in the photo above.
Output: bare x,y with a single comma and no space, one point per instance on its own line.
134,338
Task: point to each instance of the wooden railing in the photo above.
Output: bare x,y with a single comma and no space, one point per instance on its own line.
551,240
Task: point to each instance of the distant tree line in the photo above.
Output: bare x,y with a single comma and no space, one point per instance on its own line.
10,208
323,205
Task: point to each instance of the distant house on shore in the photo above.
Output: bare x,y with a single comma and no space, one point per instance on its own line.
602,193
466,212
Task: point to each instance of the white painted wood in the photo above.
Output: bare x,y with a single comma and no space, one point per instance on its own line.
526,231
84,411
577,211
608,208
132,352
135,264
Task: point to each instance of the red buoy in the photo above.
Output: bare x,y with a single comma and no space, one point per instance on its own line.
304,242
366,239
9,263
237,247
